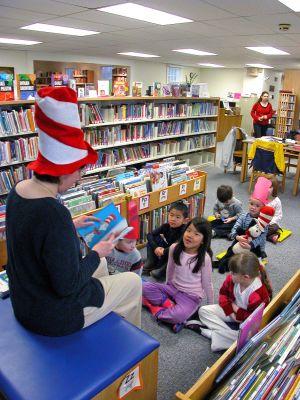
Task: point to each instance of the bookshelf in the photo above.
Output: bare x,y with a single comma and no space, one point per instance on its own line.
124,131
285,113
205,384
152,206
132,130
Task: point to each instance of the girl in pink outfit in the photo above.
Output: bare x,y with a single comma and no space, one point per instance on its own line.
189,277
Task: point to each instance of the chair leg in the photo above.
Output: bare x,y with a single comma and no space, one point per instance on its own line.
283,182
251,182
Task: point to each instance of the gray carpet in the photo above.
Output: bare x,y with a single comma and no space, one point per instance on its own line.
183,357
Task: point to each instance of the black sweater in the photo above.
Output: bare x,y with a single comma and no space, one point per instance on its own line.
50,283
171,236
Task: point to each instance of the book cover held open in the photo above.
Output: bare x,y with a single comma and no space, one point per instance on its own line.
111,221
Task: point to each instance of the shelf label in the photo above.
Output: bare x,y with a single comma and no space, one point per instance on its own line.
197,184
182,189
131,382
144,202
163,195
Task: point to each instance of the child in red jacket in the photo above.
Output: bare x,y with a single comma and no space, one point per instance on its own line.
243,290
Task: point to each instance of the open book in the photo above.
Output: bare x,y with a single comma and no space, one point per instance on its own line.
111,221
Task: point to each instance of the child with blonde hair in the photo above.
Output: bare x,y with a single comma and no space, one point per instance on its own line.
244,289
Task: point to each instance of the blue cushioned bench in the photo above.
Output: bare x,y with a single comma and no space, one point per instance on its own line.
91,363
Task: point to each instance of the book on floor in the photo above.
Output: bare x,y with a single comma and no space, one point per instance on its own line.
110,221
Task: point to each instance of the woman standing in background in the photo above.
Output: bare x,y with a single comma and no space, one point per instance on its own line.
261,113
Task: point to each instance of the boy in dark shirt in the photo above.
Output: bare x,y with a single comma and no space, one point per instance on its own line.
162,237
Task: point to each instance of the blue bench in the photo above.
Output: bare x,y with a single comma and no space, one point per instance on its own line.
91,362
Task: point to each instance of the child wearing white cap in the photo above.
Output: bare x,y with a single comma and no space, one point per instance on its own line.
54,290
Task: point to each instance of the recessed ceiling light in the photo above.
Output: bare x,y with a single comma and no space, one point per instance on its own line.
142,13
63,30
133,54
259,65
195,52
292,4
211,65
18,41
268,50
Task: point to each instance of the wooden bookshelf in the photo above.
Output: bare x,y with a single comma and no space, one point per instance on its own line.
205,384
193,132
285,113
3,254
151,201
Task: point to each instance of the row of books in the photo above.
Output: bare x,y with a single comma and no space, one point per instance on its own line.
9,177
120,156
23,149
2,221
100,113
17,121
267,367
104,136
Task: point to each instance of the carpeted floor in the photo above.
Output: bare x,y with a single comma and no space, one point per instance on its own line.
183,357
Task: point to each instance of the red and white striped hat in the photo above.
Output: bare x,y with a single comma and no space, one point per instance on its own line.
265,217
62,148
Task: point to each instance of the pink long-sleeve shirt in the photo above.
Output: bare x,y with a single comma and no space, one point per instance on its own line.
182,277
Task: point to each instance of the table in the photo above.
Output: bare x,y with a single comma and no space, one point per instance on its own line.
288,150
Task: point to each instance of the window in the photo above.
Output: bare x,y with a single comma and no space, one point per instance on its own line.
173,74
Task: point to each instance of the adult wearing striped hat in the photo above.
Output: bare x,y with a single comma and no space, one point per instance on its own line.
54,291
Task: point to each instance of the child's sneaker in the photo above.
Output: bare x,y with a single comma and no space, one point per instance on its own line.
177,327
194,325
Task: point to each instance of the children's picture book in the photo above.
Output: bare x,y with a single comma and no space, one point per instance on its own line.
111,221
250,327
4,289
25,86
6,87
103,88
137,89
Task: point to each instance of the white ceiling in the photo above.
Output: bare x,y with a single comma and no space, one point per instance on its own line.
224,27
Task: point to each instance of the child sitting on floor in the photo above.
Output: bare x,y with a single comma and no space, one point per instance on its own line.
189,277
160,240
125,256
227,209
274,201
243,290
257,200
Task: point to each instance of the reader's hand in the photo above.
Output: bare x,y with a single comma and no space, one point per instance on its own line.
227,220
235,308
105,247
85,220
159,251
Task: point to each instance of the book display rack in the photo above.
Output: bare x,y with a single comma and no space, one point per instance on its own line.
203,388
153,206
285,113
124,131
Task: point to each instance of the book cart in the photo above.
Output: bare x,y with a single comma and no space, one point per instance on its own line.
205,384
151,201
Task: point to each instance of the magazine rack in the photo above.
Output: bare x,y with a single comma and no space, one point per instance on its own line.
202,388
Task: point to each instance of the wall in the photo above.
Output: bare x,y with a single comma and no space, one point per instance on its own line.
221,81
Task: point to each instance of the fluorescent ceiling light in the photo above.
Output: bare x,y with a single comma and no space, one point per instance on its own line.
63,30
258,65
211,65
268,50
133,54
18,41
292,4
195,52
142,13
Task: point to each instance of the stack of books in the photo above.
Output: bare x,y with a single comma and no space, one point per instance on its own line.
267,367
